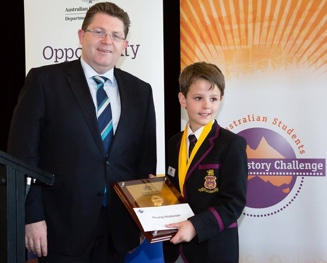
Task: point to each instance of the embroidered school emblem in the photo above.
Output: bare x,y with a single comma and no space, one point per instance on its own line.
210,184
210,180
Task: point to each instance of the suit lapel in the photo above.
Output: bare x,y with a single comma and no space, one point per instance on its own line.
80,88
124,88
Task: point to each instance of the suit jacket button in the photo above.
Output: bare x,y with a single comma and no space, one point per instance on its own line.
107,163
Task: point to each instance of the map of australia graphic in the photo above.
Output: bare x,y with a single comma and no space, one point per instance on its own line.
267,190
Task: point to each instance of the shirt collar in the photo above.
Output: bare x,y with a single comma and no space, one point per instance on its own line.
198,131
90,72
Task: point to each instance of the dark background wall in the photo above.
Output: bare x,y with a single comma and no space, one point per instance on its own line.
13,47
13,50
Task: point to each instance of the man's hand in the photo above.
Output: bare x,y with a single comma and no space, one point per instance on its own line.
36,238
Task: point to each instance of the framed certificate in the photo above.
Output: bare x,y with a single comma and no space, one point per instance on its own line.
153,203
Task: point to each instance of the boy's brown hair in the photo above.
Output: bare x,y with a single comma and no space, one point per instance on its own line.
201,70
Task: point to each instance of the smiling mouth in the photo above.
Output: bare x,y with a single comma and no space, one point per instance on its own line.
104,50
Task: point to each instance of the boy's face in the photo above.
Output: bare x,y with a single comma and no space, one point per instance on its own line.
201,103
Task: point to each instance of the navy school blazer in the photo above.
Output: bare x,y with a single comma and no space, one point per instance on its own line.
215,187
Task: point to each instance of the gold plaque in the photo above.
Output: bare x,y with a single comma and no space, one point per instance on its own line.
151,192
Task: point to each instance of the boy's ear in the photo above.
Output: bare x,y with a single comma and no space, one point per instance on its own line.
182,99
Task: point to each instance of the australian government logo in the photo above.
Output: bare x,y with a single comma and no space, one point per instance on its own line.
277,164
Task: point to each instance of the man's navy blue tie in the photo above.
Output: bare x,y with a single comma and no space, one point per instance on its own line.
104,113
104,116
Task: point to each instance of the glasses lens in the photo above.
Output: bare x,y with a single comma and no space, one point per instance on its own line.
116,38
99,33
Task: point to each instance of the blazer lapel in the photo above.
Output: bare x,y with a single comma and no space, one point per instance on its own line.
204,149
126,99
80,88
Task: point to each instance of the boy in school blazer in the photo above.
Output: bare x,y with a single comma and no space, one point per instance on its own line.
212,179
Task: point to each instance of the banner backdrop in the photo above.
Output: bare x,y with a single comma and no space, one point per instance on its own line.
51,37
274,56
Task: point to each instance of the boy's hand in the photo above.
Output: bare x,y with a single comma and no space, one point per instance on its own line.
185,232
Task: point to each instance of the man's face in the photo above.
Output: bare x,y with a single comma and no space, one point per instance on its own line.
102,53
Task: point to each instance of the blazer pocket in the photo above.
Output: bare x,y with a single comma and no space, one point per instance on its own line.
209,166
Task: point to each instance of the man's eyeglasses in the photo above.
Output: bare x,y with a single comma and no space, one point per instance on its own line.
102,34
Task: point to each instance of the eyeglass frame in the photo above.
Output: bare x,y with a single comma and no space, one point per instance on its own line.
112,36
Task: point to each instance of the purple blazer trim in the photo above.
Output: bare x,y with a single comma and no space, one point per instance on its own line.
209,166
217,216
180,249
203,156
220,221
233,225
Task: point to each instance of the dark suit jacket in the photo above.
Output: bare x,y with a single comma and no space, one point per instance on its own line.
54,127
221,159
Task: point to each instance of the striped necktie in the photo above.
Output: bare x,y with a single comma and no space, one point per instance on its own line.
104,114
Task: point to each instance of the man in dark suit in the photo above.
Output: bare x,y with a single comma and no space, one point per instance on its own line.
54,126
211,175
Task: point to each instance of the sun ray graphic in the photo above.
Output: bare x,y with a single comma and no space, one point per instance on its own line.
257,35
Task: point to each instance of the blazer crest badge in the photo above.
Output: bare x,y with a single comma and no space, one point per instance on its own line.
210,182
